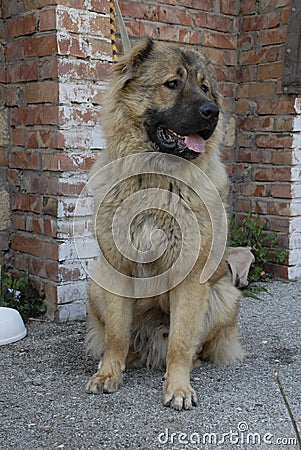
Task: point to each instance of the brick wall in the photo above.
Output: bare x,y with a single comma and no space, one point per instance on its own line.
264,174
53,69
54,63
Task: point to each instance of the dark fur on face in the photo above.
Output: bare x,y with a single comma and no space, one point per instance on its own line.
182,104
194,111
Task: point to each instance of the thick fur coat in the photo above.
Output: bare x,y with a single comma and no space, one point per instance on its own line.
162,177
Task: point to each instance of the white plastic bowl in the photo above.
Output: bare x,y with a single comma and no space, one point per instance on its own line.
12,327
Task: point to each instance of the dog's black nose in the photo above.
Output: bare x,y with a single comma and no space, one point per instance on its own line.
209,111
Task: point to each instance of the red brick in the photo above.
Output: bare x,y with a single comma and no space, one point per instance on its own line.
134,9
219,23
39,183
221,57
200,19
65,161
27,243
242,106
285,16
67,188
279,224
227,89
18,137
277,269
169,15
48,20
255,90
273,36
245,140
267,5
246,41
282,157
188,36
225,73
246,74
50,227
213,22
30,5
274,208
12,95
40,46
23,71
24,159
229,7
255,123
43,269
137,28
252,189
219,40
73,46
99,26
254,155
274,141
101,6
42,92
3,157
50,250
282,191
270,71
263,55
276,106
19,221
26,202
99,47
82,69
284,124
272,174
14,50
260,21
243,204
21,26
247,6
36,115
49,68
43,138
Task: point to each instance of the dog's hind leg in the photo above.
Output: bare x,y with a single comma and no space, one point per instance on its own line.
117,316
222,344
187,315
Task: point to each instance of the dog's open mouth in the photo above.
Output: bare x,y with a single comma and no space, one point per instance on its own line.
170,139
188,147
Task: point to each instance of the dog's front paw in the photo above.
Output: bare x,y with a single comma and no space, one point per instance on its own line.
181,398
103,382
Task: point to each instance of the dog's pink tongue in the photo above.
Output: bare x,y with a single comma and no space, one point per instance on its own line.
195,142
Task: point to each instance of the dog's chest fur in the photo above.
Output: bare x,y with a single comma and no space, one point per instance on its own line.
159,218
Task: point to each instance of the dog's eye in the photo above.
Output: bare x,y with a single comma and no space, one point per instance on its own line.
173,84
205,88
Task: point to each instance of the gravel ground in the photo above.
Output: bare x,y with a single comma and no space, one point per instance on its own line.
43,403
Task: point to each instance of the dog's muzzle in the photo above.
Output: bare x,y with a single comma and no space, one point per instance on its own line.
185,138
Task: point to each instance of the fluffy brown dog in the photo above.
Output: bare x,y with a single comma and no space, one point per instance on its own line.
161,295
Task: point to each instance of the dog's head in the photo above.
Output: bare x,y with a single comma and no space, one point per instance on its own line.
171,94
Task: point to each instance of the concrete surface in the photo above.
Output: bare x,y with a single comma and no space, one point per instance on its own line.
43,404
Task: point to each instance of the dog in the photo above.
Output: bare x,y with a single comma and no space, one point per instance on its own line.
162,175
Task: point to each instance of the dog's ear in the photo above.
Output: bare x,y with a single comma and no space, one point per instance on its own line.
129,63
